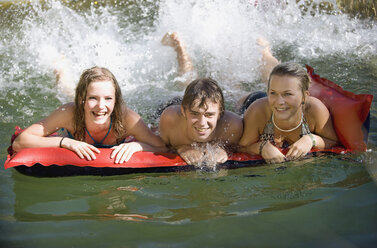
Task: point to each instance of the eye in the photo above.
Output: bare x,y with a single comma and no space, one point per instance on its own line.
109,98
91,98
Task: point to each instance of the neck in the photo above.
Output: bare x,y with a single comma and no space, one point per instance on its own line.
97,128
288,125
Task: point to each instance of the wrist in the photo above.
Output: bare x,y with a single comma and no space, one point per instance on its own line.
139,146
183,149
312,138
61,142
261,146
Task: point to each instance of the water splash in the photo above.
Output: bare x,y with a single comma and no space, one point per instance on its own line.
208,163
125,37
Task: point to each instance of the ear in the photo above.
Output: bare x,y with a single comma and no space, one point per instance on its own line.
183,111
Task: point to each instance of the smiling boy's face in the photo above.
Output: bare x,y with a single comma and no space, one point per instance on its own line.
201,120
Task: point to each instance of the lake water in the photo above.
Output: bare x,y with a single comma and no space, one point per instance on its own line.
318,202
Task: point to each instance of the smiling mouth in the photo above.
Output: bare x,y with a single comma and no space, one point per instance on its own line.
201,130
281,109
96,114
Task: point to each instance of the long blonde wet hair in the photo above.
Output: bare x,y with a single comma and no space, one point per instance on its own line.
96,74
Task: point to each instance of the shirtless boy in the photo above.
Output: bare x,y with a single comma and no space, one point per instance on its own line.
199,129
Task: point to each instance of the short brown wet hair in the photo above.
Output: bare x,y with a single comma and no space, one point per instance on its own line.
201,90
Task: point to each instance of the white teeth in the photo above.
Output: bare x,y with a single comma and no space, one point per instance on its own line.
99,114
201,129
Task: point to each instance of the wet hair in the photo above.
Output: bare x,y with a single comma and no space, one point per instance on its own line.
294,70
201,90
89,76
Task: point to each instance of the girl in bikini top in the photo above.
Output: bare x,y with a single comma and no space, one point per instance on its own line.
269,131
98,102
96,143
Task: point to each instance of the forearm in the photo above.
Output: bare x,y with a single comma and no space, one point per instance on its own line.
150,148
252,149
32,141
183,148
323,143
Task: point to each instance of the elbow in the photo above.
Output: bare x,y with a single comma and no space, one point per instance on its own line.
163,148
332,143
243,149
16,146
19,143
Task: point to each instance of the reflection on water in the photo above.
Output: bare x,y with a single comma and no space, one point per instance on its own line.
315,202
190,196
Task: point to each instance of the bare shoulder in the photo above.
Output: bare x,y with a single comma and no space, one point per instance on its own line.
231,119
62,117
171,126
229,127
314,106
63,114
66,108
171,114
316,113
129,115
258,110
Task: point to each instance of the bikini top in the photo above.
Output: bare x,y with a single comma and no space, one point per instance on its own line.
269,132
98,144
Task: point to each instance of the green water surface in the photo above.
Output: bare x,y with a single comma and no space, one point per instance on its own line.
318,202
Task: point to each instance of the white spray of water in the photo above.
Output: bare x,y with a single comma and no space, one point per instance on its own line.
220,36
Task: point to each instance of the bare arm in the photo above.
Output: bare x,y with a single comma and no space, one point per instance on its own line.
143,134
36,134
146,139
323,134
167,119
169,123
230,129
255,119
324,131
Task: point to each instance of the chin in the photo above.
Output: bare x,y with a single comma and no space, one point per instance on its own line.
102,120
282,115
202,138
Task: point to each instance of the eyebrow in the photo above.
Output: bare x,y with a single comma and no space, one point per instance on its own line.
206,112
103,96
284,91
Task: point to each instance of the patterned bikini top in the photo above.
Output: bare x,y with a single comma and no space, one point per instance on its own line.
269,132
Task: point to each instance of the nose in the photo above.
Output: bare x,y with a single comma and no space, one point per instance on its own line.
101,103
202,120
280,100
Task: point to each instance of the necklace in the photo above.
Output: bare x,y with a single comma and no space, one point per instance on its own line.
285,130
